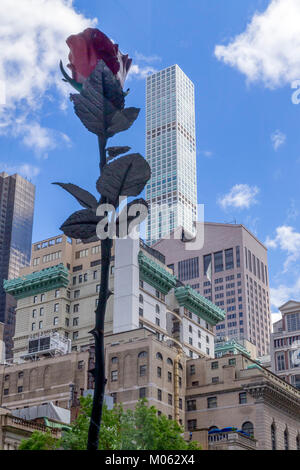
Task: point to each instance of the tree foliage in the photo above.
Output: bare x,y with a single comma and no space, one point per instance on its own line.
138,429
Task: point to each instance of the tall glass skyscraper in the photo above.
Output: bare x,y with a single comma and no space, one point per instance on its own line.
171,153
16,220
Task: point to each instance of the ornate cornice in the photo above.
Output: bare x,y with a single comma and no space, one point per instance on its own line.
155,275
275,396
36,283
199,305
227,346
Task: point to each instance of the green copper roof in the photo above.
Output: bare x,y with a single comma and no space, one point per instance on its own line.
196,303
155,275
36,283
233,346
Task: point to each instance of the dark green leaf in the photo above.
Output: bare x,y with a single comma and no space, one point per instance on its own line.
84,198
125,176
113,152
121,120
82,224
100,96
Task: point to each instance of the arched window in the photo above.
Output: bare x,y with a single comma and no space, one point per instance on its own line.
159,356
141,299
248,428
286,439
142,354
273,436
169,361
180,366
114,360
157,309
298,442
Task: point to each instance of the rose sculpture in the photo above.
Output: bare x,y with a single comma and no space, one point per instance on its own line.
99,71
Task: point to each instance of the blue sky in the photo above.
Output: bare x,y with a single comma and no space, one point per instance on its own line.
242,57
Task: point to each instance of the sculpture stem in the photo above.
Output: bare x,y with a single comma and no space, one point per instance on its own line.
98,332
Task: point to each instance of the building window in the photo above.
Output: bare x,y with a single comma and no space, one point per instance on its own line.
143,370
192,369
218,261
41,311
214,365
232,362
159,356
207,265
298,442
248,428
157,309
114,376
169,361
67,308
142,354
141,312
76,294
75,321
141,299
215,380
169,376
34,313
57,293
229,259
170,399
56,307
157,321
20,389
286,439
35,299
212,402
55,321
191,405
20,375
80,364
143,392
76,308
159,372
75,335
67,322
159,394
192,424
6,391
188,269
280,360
242,398
273,436
40,325
32,326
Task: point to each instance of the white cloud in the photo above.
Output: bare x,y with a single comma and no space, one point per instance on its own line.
206,153
140,71
287,239
241,196
269,49
281,294
278,139
24,169
32,42
148,59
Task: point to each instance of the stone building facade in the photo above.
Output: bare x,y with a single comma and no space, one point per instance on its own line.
228,265
285,344
234,391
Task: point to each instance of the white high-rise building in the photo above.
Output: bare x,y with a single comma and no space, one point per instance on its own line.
171,153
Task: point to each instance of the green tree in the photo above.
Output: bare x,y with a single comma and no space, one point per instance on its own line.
138,429
40,441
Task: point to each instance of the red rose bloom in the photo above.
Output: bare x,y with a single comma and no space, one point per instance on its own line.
90,46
